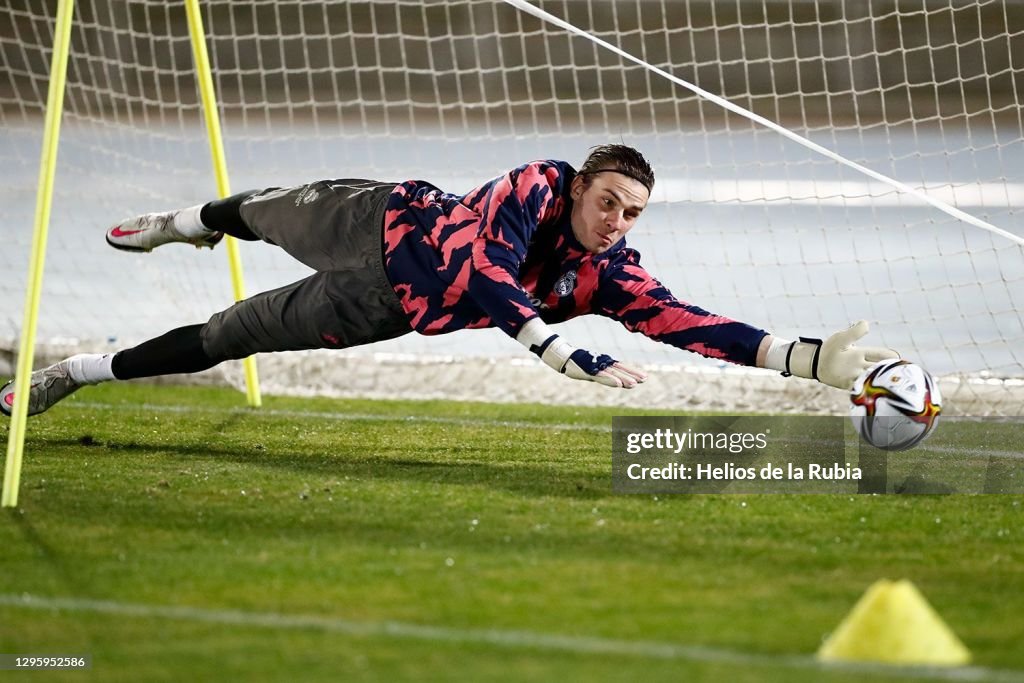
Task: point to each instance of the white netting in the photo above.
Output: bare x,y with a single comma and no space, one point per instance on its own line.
742,221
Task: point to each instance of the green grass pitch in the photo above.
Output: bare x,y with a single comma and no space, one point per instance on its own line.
174,535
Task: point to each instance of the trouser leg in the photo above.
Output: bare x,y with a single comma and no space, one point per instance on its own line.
328,225
335,310
326,310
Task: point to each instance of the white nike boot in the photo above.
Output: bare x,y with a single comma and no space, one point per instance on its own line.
48,386
151,230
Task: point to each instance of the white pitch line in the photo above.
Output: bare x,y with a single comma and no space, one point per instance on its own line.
512,639
473,422
350,417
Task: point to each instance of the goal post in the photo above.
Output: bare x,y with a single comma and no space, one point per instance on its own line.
220,170
33,290
47,169
743,221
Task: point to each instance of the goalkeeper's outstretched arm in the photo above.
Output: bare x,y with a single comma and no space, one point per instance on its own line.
837,361
629,294
576,363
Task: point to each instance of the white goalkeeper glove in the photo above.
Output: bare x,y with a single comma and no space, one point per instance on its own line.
836,361
573,362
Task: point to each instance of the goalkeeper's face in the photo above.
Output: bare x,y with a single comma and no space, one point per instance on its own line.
606,208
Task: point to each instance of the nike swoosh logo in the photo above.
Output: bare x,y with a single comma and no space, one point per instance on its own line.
118,232
9,398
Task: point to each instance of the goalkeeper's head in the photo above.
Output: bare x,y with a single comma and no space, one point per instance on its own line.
609,193
621,159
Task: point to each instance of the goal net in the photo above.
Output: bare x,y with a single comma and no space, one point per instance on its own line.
742,221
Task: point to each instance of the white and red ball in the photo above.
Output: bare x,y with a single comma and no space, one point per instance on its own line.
895,405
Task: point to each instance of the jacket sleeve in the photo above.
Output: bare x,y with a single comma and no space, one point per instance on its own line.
516,204
629,294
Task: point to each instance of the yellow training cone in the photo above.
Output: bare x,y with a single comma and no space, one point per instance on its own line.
894,624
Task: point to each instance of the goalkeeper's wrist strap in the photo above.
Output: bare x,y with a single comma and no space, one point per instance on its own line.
540,339
798,358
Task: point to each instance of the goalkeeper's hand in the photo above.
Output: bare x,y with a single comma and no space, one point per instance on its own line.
576,363
836,361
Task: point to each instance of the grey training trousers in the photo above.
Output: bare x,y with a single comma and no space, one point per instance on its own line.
336,228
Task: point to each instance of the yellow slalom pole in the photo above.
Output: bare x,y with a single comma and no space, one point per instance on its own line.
44,197
209,100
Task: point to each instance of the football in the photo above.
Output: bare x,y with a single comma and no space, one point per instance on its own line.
895,405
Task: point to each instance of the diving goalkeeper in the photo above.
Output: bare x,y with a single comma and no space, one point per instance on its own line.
533,247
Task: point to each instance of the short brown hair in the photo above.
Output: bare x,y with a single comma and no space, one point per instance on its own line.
621,158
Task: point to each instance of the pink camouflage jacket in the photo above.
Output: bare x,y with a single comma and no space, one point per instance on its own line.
505,253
